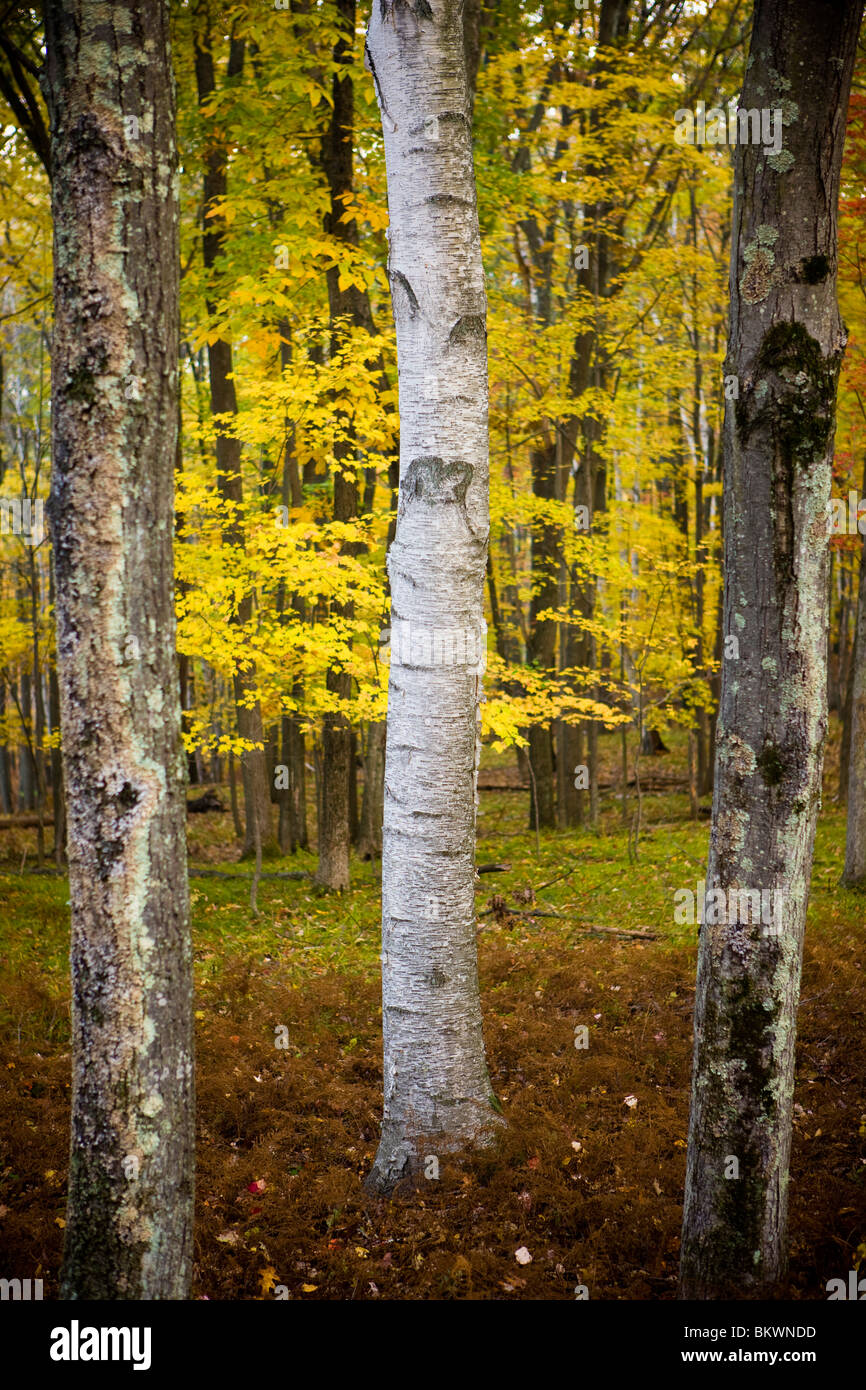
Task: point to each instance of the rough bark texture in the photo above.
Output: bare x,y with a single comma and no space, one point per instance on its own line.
437,1091
785,346
114,423
57,797
855,844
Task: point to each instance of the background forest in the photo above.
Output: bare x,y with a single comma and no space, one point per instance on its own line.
606,250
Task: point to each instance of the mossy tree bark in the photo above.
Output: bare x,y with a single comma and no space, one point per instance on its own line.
110,91
437,1092
785,345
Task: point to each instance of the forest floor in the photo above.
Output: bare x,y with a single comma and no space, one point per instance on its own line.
589,1182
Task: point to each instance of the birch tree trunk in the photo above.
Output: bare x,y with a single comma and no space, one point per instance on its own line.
437,1092
110,90
854,874
785,347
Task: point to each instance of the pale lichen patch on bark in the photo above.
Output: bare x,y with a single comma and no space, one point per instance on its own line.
115,283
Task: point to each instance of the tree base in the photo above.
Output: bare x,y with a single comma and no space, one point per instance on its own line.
408,1164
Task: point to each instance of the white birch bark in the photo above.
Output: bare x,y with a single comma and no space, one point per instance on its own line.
437,1092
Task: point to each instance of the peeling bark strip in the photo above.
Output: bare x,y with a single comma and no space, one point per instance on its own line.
437,1092
785,346
114,426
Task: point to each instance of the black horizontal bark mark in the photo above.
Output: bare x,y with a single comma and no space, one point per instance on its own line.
432,480
400,278
468,328
419,8
440,116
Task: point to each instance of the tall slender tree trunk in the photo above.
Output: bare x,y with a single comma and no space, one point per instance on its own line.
110,89
348,307
854,874
588,368
785,346
858,656
373,798
345,309
6,801
57,793
38,710
541,648
293,800
438,1096
26,760
224,406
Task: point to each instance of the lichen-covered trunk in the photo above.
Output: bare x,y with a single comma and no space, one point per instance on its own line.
437,1092
784,348
854,874
114,424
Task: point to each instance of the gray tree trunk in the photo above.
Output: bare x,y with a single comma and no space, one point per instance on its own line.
546,552
348,306
854,874
57,795
373,799
438,1096
785,347
5,763
110,89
